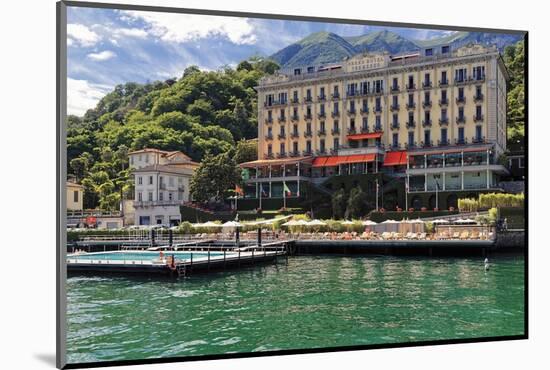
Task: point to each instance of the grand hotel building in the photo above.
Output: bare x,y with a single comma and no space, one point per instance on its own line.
435,118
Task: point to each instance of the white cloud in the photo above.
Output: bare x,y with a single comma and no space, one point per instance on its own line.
181,28
102,55
83,95
78,34
130,32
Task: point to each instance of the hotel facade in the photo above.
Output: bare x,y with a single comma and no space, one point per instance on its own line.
435,120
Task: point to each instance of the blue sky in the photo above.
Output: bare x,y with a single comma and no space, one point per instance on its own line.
108,47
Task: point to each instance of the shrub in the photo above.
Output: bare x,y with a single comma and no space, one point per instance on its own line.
468,205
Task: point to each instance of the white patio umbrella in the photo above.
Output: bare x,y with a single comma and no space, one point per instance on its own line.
207,224
347,222
232,224
316,223
465,221
291,223
389,222
369,223
440,221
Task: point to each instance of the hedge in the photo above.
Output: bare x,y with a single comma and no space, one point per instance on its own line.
398,216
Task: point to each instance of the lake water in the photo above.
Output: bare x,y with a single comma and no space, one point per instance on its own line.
309,302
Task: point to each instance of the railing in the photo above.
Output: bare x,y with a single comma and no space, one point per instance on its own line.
321,115
335,114
427,144
426,84
395,88
411,86
395,126
335,131
281,155
269,120
282,135
443,121
411,145
411,124
365,129
294,118
394,107
307,117
411,105
152,203
478,98
444,82
308,99
321,98
308,134
461,141
351,130
294,101
282,119
322,132
295,135
307,152
461,119
478,118
274,103
335,96
427,123
294,153
427,104
461,100
378,109
443,142
364,110
269,137
478,140
352,111
443,102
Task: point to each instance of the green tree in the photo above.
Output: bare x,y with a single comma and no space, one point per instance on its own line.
356,203
214,178
339,204
246,151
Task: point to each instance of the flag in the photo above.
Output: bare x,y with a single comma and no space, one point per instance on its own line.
286,189
239,190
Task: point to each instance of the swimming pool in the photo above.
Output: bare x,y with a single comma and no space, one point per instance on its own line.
140,256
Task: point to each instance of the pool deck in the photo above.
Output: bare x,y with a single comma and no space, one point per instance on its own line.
202,262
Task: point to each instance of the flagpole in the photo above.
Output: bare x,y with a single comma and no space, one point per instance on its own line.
261,191
377,195
284,195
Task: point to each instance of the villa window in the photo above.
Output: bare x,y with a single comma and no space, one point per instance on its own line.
443,135
429,52
461,134
161,196
269,150
282,148
322,145
352,124
427,137
335,107
140,180
150,180
478,132
295,147
170,196
308,94
140,197
336,143
295,95
308,146
395,140
336,124
150,196
75,196
445,49
411,138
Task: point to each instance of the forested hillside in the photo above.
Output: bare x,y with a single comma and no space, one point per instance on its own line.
200,112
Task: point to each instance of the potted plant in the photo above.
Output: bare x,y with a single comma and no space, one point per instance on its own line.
423,209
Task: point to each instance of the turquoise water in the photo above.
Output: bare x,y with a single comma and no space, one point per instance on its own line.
309,302
141,256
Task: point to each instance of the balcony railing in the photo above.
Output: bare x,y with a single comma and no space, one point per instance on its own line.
395,88
352,93
426,84
294,101
308,134
365,129
307,152
269,156
411,86
443,143
274,103
335,131
308,117
411,105
427,104
351,130
461,100
335,96
321,115
377,109
321,132
394,107
378,128
281,155
308,99
427,144
152,203
461,141
478,98
294,118
443,102
364,110
461,119
321,98
426,123
335,114
269,120
282,118
444,82
443,121
295,135
352,112
478,117
395,126
269,137
321,151
282,135
411,124
411,145
294,153
478,140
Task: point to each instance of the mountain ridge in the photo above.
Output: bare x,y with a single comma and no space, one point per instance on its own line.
328,47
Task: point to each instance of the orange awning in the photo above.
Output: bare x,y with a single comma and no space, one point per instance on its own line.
333,161
319,161
359,158
371,135
398,158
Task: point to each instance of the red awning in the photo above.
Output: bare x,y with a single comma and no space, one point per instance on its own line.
371,135
359,158
398,158
333,161
319,161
